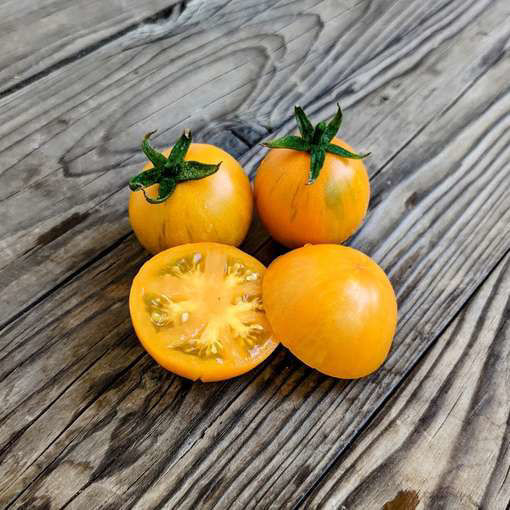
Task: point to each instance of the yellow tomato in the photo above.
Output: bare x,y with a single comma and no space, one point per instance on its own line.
328,210
216,208
333,307
197,310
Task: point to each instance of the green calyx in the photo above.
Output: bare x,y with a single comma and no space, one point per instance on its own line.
315,140
168,172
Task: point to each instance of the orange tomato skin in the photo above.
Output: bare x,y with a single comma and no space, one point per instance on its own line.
328,211
217,208
333,307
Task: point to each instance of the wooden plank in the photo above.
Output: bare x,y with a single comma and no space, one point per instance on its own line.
75,105
38,36
440,222
146,428
73,373
442,441
59,404
70,141
84,405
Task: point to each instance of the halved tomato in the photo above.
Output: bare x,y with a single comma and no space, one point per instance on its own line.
333,307
197,310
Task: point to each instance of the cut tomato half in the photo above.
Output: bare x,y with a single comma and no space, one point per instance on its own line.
333,307
197,310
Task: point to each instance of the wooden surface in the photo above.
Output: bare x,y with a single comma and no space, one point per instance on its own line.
443,439
89,421
38,38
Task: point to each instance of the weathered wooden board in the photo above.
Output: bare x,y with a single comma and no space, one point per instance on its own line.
70,141
87,419
98,109
38,36
84,405
441,221
443,441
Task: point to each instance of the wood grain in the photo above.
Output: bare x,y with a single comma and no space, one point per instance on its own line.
440,222
70,141
445,436
38,37
75,403
88,419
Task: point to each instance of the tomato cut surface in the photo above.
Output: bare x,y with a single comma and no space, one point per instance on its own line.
197,310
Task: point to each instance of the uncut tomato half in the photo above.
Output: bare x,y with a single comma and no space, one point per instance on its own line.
333,307
213,204
313,188
197,310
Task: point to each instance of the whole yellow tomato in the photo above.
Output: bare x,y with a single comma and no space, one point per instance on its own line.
193,192
333,307
312,189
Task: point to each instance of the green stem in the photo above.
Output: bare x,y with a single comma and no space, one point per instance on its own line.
169,172
315,140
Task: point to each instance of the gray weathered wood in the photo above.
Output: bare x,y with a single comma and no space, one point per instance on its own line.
90,421
36,36
443,441
440,222
70,141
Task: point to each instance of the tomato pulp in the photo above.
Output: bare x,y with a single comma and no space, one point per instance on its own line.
197,310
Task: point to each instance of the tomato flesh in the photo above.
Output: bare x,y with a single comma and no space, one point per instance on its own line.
197,309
